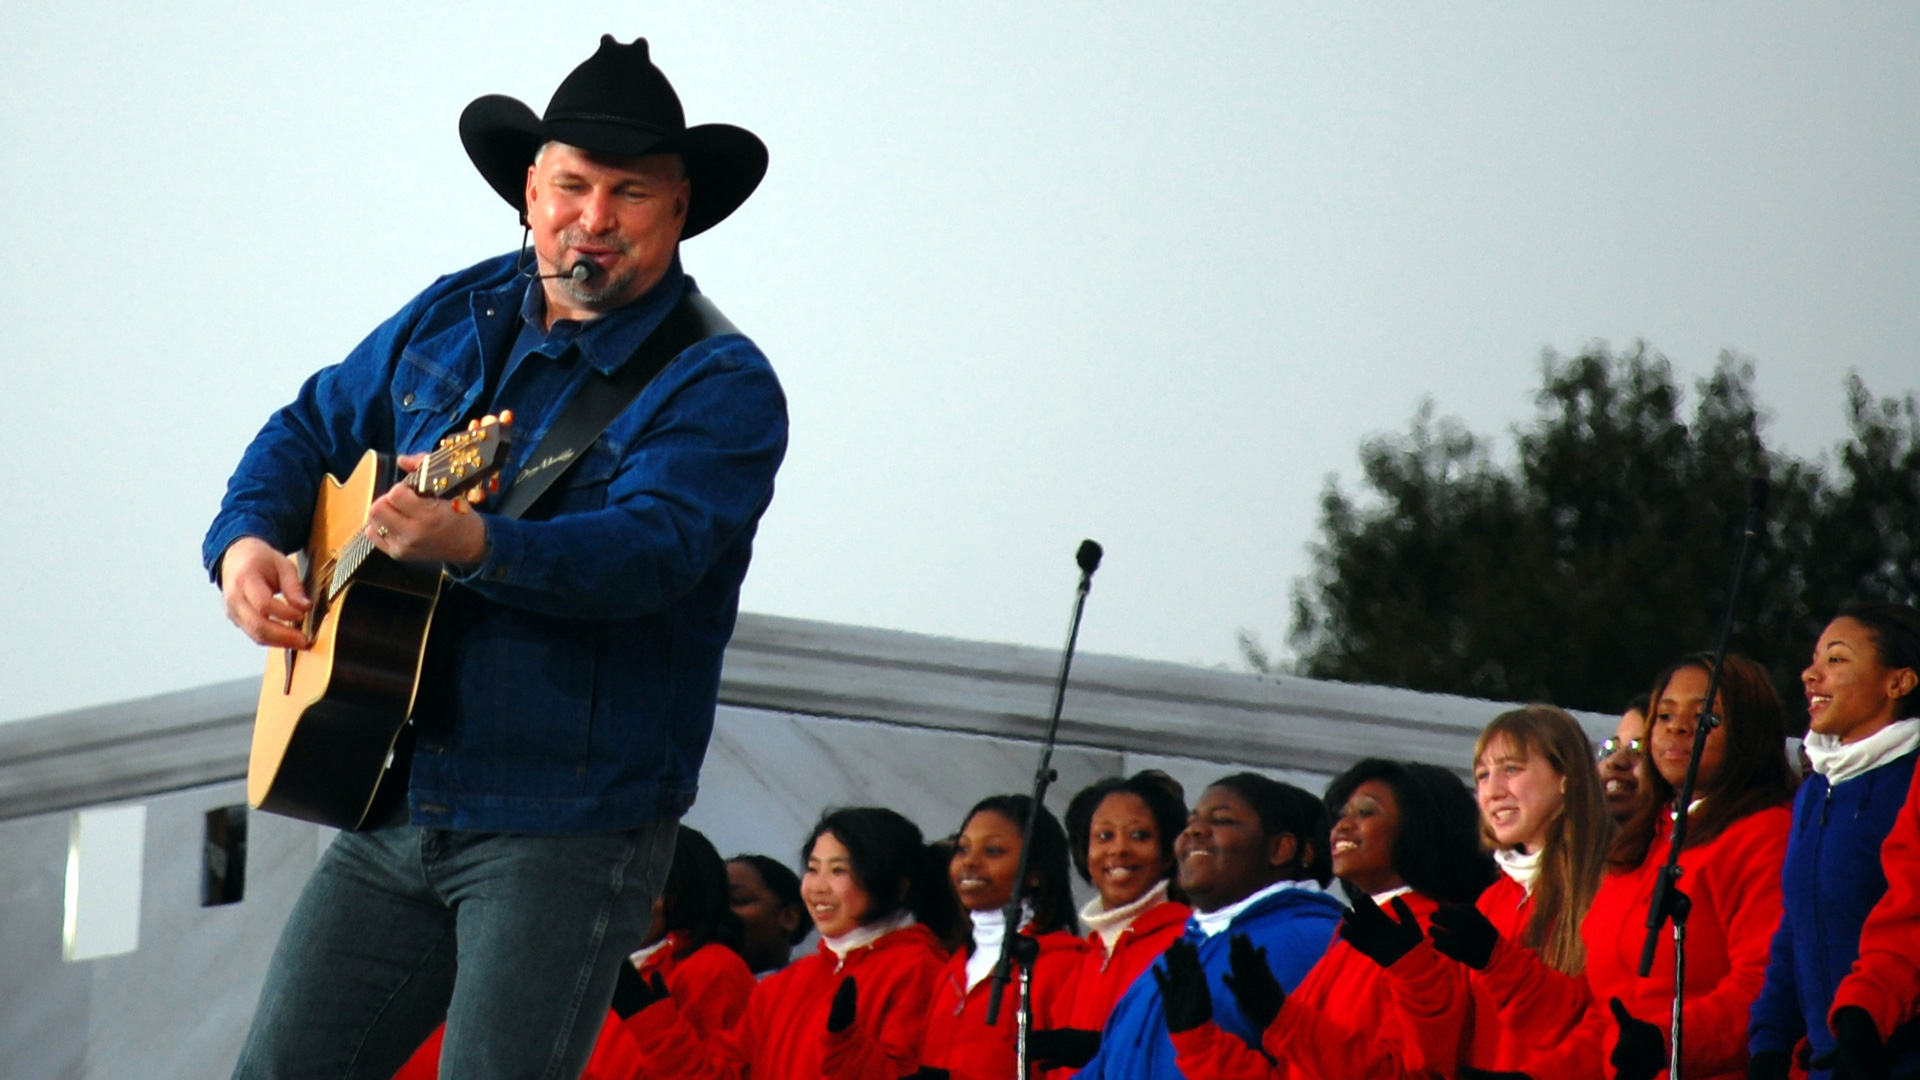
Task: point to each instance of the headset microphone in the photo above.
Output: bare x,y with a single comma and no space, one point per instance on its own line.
584,269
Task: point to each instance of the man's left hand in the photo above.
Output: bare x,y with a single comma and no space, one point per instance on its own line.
414,528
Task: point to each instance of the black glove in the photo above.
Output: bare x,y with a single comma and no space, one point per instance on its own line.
1642,1050
1380,937
1860,1054
1062,1048
1255,990
1460,931
1770,1065
1468,1072
633,991
846,1005
1183,988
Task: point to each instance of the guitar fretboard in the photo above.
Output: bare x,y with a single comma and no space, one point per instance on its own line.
352,554
445,473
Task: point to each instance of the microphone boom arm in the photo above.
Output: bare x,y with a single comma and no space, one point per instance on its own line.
1668,902
1089,559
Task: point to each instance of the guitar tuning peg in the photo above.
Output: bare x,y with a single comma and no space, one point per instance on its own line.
493,484
473,425
446,442
475,495
506,416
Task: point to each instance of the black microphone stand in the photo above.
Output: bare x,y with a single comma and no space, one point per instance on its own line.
1668,901
1016,947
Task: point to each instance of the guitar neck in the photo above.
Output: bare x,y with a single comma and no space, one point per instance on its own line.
462,462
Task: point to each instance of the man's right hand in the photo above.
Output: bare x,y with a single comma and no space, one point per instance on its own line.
265,597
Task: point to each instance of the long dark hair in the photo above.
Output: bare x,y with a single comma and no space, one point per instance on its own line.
1286,810
894,866
1437,849
1165,800
1896,637
1052,895
1753,776
694,901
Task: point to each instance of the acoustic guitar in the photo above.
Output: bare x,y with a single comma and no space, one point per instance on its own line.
327,734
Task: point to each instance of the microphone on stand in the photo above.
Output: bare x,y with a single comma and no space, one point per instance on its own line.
1669,904
1088,559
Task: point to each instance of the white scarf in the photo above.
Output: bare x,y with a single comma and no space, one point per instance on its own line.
1522,868
1380,898
1111,924
1212,922
1840,762
989,930
862,936
645,953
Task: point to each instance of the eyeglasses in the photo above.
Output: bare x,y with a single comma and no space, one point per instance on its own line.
1610,747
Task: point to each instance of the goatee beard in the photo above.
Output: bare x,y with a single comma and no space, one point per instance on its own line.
599,291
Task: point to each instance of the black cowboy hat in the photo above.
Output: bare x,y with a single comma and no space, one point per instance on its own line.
616,103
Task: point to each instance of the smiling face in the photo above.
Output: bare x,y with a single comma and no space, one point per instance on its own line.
1670,736
1520,794
1123,849
1363,836
1224,855
1620,769
986,856
623,214
1850,693
833,894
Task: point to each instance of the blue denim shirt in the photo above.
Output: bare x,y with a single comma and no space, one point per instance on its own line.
570,678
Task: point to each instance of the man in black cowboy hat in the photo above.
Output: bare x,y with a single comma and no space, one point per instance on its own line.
568,686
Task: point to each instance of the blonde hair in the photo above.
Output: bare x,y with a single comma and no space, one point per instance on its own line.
1578,838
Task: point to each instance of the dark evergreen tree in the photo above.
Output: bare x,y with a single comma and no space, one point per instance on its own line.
1605,551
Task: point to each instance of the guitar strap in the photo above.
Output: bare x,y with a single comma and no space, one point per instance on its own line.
694,319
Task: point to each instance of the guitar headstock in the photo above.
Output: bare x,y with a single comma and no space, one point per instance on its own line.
465,461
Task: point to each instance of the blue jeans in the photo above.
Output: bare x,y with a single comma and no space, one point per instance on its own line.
514,940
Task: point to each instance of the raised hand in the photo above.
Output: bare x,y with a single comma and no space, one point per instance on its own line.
633,991
1859,1053
1460,931
1258,994
1062,1048
1642,1050
1380,937
1183,988
846,1006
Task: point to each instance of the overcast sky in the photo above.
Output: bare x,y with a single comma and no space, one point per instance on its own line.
1030,273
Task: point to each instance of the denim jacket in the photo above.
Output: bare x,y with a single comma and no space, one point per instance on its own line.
571,677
